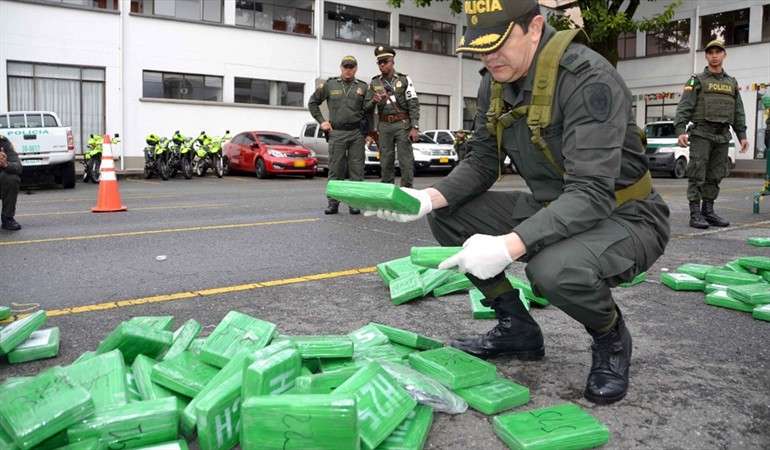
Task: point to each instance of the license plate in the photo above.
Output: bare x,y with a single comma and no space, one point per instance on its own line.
31,162
299,163
443,160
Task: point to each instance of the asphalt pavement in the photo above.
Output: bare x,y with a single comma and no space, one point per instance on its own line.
700,377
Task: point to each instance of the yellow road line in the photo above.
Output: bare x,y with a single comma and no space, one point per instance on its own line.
161,231
148,208
188,295
93,199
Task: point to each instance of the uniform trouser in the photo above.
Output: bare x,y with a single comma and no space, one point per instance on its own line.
346,155
393,135
707,167
574,274
9,192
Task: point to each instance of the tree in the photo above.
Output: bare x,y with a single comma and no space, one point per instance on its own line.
603,20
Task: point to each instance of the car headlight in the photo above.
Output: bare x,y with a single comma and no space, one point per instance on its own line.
276,153
424,152
312,154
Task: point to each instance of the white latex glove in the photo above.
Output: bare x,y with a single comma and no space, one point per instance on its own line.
483,256
426,206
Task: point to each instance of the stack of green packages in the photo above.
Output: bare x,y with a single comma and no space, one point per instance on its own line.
682,281
564,426
372,196
19,331
40,344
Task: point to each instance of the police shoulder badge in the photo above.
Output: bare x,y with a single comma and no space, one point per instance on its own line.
398,84
597,99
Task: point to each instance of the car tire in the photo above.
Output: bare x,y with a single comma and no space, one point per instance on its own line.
680,168
67,175
260,170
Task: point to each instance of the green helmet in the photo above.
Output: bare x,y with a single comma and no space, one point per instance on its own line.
152,139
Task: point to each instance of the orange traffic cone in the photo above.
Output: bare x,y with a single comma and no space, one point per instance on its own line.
108,199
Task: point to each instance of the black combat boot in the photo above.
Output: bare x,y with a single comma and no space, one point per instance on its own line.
333,208
516,334
8,223
610,360
696,219
354,210
711,217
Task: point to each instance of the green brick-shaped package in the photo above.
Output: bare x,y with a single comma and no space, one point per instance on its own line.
104,376
333,346
408,338
218,415
431,256
736,266
318,422
499,395
564,426
434,278
185,374
176,445
412,433
382,403
372,196
682,281
400,267
761,312
387,352
54,442
41,407
237,331
6,442
636,280
40,344
526,289
18,331
758,241
712,287
478,310
183,337
142,370
406,288
722,299
129,426
385,276
696,270
730,278
324,383
458,282
133,390
273,375
754,294
367,336
5,312
132,340
453,368
196,346
755,262
85,356
157,322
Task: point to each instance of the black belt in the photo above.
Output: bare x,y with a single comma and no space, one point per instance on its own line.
712,127
346,126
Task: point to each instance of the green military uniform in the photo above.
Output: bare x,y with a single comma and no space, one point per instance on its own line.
579,241
713,103
461,144
10,179
398,114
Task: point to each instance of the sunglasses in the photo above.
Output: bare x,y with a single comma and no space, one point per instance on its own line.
382,62
349,66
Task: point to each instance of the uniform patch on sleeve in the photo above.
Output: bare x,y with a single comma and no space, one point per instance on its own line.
598,101
410,90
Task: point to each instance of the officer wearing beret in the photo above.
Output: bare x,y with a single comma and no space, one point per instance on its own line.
710,100
344,95
562,113
399,116
10,180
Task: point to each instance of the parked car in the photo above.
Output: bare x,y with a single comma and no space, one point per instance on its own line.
46,149
430,155
313,138
269,153
448,137
665,155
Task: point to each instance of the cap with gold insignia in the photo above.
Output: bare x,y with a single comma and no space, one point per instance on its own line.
491,21
384,51
347,60
718,43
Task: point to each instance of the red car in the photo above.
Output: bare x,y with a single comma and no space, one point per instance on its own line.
269,153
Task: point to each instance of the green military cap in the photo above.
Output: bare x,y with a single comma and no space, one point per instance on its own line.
349,60
491,21
384,51
715,43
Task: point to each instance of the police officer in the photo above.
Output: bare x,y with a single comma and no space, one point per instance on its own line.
592,219
345,127
399,116
10,180
711,100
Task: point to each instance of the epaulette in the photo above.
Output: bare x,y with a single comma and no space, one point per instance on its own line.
399,74
575,60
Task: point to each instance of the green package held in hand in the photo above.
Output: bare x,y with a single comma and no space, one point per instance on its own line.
183,337
318,422
682,281
431,256
104,376
761,312
40,344
18,331
42,406
273,375
5,312
412,433
722,299
185,374
755,262
406,288
408,338
157,322
458,282
758,241
382,403
636,280
564,426
696,270
453,368
367,336
728,277
235,332
372,196
132,340
499,395
753,294
333,346
130,426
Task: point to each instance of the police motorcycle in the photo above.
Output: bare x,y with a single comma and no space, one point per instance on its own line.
186,154
155,162
92,158
210,154
174,154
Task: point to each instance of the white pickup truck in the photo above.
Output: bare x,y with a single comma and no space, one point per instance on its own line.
44,146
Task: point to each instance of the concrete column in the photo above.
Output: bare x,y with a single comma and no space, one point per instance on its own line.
228,15
641,44
394,32
755,24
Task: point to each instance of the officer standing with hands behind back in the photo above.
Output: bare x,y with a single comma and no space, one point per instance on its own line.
399,116
10,180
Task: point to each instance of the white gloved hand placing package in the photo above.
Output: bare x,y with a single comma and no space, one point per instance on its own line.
426,206
483,256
